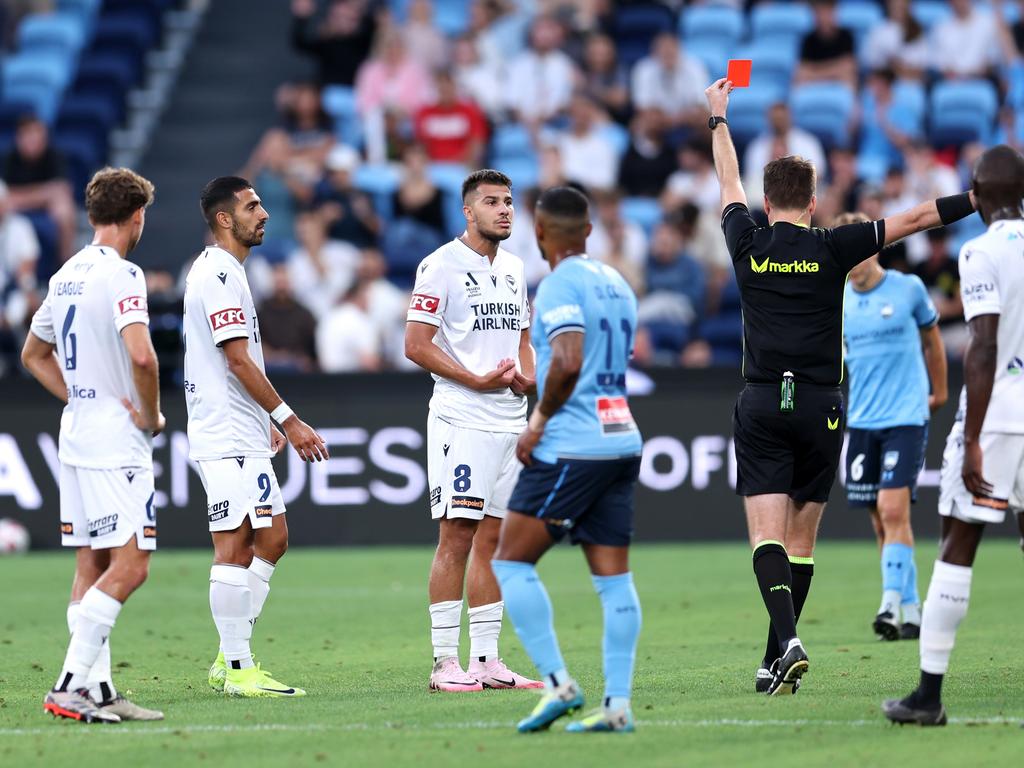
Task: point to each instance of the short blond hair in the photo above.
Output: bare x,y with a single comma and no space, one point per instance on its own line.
853,217
114,194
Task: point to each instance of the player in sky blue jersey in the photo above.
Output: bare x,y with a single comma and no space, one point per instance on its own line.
888,322
581,452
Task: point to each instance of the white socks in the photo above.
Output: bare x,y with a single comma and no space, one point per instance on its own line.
231,603
95,619
944,609
484,628
100,681
445,622
260,572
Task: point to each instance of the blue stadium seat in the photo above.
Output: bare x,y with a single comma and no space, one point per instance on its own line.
1014,74
929,12
644,211
512,140
37,78
723,329
748,113
339,101
84,116
824,109
522,170
617,136
772,66
11,112
859,17
451,16
49,241
633,27
962,111
730,298
911,96
781,23
722,25
448,177
60,32
82,156
130,23
404,243
711,53
668,337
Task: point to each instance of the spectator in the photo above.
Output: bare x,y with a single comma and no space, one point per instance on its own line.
588,156
675,293
926,175
539,83
19,298
391,80
417,197
35,174
966,44
166,306
340,43
424,42
782,139
702,230
695,181
671,80
843,189
898,43
386,306
940,274
649,160
618,243
871,202
827,52
603,78
347,339
523,242
477,80
288,328
452,130
887,127
348,211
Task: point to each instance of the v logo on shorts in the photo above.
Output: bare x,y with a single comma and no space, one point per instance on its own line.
832,425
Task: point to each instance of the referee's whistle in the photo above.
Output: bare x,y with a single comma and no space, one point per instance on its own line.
788,391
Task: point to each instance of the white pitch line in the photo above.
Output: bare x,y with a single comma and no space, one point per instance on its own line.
478,725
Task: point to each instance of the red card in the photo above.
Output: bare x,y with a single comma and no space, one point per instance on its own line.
739,72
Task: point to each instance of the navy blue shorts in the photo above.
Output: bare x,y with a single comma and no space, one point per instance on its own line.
883,458
591,500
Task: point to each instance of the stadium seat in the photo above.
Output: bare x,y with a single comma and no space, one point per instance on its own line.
617,135
512,140
633,27
404,243
451,16
138,24
962,111
11,112
53,32
773,66
910,95
36,78
49,242
711,53
748,113
730,298
668,337
929,12
644,211
522,170
824,109
82,155
339,101
859,17
781,24
1014,74
82,115
720,25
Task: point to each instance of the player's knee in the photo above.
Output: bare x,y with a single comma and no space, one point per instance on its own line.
457,535
893,513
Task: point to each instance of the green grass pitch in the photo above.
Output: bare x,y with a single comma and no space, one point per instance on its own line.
351,627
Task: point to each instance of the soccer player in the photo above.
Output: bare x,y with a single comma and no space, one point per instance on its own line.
230,435
582,451
468,325
89,346
788,420
888,320
983,464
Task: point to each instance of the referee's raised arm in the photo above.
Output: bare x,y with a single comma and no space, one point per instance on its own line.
727,165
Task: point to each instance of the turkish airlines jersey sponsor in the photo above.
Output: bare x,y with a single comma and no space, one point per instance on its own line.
223,419
992,283
480,310
90,300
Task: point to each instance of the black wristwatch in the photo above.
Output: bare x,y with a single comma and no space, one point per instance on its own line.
714,122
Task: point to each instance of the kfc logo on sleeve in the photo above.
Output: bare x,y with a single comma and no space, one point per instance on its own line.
423,303
132,304
227,317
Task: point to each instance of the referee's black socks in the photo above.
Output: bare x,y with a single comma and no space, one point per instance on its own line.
775,578
802,570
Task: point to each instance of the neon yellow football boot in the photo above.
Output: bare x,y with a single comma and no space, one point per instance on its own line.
218,673
255,681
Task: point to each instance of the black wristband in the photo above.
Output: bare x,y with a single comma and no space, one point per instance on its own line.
954,207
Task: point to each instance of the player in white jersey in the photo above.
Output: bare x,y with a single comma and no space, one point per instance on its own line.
983,465
230,405
89,346
468,325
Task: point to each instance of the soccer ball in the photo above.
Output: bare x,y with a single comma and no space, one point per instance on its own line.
14,537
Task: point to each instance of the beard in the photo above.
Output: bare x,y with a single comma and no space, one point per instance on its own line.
248,239
496,235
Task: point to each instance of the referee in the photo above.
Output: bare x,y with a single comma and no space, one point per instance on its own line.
788,420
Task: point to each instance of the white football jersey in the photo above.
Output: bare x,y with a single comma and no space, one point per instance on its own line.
91,299
480,309
992,283
223,419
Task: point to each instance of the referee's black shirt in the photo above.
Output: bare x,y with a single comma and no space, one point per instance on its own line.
791,281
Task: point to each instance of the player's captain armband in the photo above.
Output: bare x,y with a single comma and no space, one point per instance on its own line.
132,304
423,303
614,415
227,318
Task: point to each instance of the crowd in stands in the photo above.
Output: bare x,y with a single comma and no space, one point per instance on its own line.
892,101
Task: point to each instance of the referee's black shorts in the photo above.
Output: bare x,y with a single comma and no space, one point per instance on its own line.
795,452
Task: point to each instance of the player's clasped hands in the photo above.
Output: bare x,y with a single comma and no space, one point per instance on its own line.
305,440
502,376
141,421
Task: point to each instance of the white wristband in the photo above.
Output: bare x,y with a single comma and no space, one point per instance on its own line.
282,413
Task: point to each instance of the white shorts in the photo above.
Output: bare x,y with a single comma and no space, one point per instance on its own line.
241,487
471,472
1002,466
104,508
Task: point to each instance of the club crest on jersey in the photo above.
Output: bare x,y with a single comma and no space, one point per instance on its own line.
423,303
227,317
888,310
132,304
512,283
890,460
